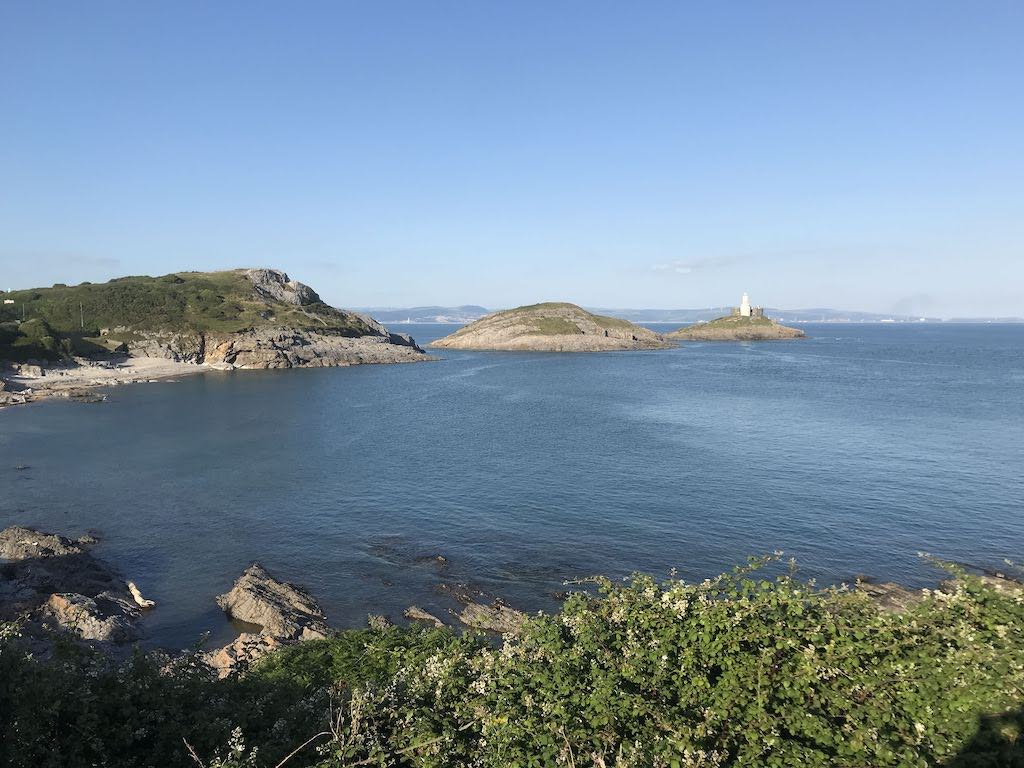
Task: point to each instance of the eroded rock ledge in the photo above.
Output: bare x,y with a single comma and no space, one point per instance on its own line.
59,585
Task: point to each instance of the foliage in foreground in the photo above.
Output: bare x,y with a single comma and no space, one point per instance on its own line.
733,671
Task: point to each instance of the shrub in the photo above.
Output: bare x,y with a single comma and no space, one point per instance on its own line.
737,670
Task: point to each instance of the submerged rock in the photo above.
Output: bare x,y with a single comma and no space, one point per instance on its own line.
283,610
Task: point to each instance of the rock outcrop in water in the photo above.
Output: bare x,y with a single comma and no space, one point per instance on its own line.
496,617
283,610
552,327
285,613
58,583
737,328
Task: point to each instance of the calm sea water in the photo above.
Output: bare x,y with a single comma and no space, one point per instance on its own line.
851,451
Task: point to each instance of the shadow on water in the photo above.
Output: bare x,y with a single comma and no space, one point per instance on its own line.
998,743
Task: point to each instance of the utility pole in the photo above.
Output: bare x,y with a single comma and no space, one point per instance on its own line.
81,315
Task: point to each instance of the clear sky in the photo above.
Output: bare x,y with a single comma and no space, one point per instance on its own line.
862,155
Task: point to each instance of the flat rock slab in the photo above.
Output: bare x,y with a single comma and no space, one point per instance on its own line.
496,617
19,543
283,610
891,597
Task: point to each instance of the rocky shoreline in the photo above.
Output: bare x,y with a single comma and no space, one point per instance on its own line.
160,357
55,587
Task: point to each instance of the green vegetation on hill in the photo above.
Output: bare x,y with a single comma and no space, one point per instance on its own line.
741,670
70,318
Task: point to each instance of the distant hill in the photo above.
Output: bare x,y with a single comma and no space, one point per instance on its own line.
469,312
466,313
818,315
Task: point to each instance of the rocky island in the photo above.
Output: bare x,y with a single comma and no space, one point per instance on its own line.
57,339
551,327
746,323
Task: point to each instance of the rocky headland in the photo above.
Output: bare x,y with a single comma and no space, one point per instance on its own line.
96,335
552,327
737,328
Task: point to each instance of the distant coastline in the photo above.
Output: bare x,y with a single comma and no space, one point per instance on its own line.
461,315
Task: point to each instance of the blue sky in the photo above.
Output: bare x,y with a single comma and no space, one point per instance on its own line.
865,155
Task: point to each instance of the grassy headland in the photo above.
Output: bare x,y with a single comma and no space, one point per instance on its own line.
49,323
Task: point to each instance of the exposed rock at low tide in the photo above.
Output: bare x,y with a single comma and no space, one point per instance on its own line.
242,652
58,583
414,613
106,617
19,543
283,610
889,596
496,617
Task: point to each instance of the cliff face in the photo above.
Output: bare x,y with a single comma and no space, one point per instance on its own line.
552,327
278,347
735,328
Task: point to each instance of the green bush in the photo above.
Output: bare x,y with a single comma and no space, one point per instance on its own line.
737,671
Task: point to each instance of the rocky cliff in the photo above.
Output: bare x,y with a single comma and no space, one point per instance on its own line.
243,318
552,327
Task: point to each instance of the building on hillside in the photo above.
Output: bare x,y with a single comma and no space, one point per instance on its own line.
745,310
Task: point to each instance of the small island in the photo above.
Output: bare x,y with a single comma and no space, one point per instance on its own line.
746,323
552,327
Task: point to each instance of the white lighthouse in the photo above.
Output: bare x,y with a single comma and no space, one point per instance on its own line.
745,306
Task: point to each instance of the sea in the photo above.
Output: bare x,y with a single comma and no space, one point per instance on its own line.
852,451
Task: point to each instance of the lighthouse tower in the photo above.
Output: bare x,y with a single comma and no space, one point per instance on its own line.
745,306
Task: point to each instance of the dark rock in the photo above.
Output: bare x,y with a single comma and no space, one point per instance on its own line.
19,543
